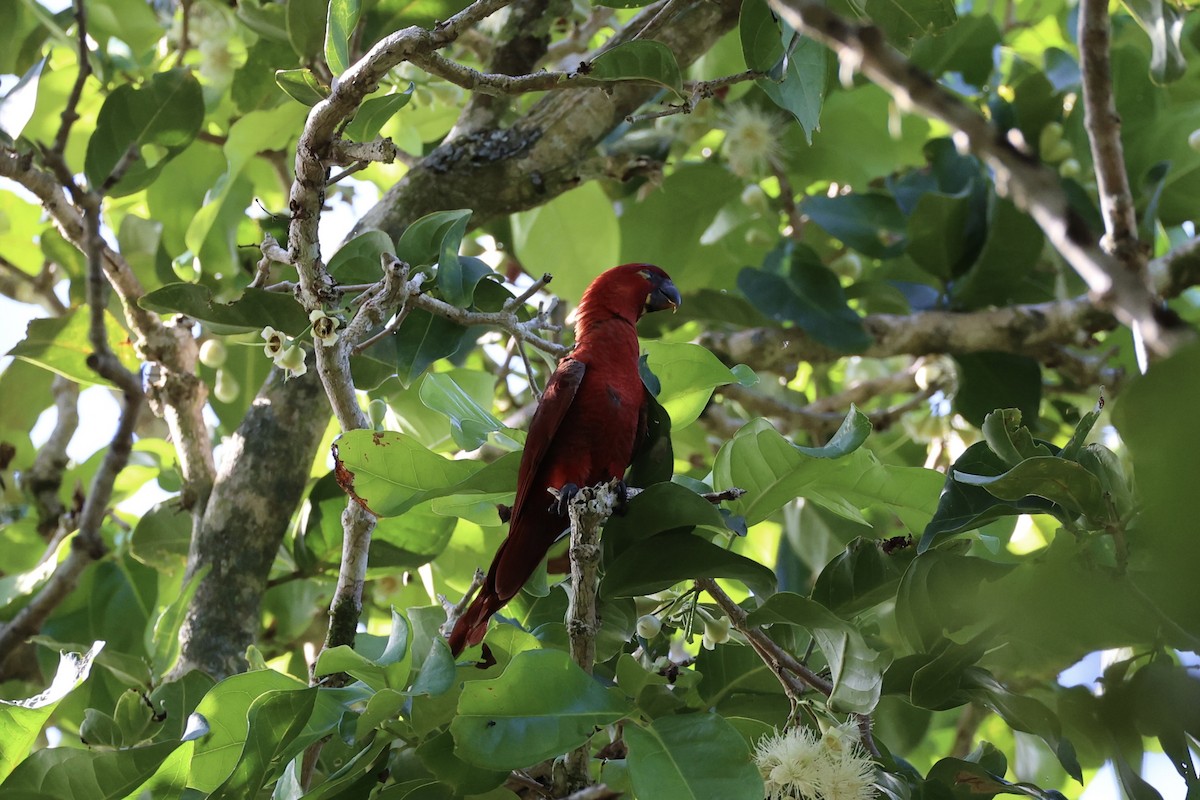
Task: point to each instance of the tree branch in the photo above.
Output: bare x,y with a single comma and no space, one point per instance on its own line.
1034,187
44,477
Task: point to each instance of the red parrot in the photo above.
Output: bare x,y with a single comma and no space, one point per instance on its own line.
584,431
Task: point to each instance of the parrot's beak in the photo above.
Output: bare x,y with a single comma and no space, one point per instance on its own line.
664,296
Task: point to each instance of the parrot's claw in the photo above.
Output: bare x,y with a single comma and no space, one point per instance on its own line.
565,495
622,504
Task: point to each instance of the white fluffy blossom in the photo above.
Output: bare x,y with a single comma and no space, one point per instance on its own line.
752,145
797,764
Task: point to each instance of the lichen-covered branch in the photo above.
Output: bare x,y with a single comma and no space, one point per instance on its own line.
44,477
1033,187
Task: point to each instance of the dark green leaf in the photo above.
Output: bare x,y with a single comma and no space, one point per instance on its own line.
661,507
691,757
643,59
962,507
966,48
255,309
155,123
811,298
423,339
1062,482
860,577
661,561
1082,429
541,706
439,757
904,20
870,223
937,233
987,381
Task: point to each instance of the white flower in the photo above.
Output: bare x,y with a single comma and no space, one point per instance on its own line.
799,765
292,360
715,632
324,327
276,343
751,141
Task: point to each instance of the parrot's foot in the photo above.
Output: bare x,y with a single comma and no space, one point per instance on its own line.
565,495
622,504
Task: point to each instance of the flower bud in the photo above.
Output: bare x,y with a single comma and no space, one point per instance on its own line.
213,353
649,626
226,388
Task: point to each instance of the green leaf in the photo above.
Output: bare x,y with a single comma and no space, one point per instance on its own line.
254,310
392,472
802,85
162,536
374,113
306,27
390,671
688,373
21,720
339,28
18,219
166,642
248,136
937,233
164,114
60,344
965,47
541,706
276,718
301,85
691,757
70,772
1062,482
1164,25
439,757
1082,428
987,381
856,669
903,20
811,297
421,243
226,708
359,260
643,59
662,507
774,472
661,561
860,577
422,339
470,423
871,223
453,279
574,237
1009,439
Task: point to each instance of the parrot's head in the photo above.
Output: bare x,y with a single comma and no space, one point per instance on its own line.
630,291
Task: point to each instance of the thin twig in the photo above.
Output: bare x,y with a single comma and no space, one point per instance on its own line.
69,113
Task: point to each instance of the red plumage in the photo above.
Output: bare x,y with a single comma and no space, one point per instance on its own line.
583,432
